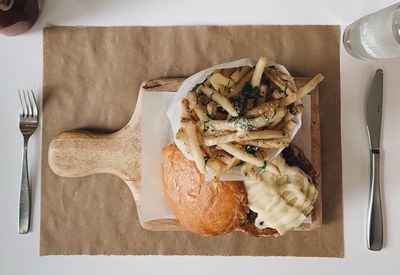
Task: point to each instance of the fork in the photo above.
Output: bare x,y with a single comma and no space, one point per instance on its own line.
28,122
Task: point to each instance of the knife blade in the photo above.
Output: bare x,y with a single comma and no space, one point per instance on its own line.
374,121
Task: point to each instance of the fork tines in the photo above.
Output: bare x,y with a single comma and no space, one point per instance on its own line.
28,104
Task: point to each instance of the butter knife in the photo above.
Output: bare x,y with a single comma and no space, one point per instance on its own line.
374,117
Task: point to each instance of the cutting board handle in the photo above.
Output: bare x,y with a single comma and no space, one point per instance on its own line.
81,153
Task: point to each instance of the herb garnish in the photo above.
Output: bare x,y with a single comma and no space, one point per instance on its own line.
237,103
196,87
265,80
251,149
249,92
291,109
285,88
264,166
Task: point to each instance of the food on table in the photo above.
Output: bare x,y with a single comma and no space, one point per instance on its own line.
237,115
270,206
206,208
231,121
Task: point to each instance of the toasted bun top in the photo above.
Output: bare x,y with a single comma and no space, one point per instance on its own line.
206,208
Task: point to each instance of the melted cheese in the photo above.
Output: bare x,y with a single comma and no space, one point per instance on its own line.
281,202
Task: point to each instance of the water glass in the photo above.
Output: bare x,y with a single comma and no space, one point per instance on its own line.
375,36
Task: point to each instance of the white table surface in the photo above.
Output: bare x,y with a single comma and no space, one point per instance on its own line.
21,67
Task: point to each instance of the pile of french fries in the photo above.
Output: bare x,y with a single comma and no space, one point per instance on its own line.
237,115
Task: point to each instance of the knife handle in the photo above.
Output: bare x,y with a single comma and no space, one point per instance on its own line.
374,219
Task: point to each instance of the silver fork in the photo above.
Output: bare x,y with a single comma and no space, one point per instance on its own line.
28,122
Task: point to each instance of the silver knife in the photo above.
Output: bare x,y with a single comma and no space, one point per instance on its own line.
374,117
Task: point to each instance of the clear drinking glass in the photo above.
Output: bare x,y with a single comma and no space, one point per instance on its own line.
375,36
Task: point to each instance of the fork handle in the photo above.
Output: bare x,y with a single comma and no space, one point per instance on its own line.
374,218
25,195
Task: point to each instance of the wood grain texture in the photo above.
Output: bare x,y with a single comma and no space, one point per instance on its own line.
81,153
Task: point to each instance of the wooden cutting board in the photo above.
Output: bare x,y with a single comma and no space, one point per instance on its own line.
79,153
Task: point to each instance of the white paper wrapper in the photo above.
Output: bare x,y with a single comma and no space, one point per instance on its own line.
174,110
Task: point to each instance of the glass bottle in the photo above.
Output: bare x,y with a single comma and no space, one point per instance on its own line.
17,16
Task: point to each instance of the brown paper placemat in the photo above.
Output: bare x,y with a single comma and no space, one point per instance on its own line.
91,80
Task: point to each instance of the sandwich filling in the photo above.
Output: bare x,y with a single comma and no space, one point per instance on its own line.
283,201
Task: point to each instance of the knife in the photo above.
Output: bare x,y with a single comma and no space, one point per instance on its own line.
374,118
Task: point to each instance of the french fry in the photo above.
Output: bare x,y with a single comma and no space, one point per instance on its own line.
263,95
276,94
242,125
303,90
283,85
181,135
224,90
228,72
224,157
212,109
298,109
289,126
185,108
266,107
200,112
287,77
232,164
242,154
194,145
192,98
272,168
218,79
240,73
239,86
280,113
258,72
248,170
271,143
217,166
218,98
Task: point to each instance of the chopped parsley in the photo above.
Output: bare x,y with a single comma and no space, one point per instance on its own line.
242,124
285,88
291,109
237,103
207,127
249,92
196,87
251,149
264,166
265,80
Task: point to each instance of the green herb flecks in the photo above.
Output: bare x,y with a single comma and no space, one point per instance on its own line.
237,103
265,80
206,158
251,149
243,124
284,91
291,109
264,166
249,92
196,87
